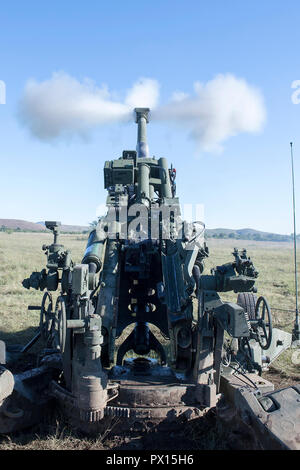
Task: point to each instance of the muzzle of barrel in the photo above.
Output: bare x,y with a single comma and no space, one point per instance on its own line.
142,118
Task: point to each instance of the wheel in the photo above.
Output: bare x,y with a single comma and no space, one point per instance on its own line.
247,300
46,318
263,323
59,325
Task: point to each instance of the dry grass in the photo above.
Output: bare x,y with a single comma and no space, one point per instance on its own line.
20,253
274,262
53,434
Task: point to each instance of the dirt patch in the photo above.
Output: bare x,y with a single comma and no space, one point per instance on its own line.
280,379
205,433
54,433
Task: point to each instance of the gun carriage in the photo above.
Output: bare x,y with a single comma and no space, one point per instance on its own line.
143,271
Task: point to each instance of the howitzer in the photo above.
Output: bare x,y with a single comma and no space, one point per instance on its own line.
138,330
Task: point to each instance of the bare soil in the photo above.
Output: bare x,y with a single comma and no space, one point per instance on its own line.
205,433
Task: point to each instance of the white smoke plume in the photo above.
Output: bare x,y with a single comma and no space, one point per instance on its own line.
62,106
143,94
219,109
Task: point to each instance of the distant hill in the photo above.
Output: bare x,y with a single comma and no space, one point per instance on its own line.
70,228
25,226
247,234
21,225
241,234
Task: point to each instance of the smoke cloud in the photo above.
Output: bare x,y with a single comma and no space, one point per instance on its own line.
144,94
219,109
62,106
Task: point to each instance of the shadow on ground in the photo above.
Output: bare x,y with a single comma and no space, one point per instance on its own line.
54,433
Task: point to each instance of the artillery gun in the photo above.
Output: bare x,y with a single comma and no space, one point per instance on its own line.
139,331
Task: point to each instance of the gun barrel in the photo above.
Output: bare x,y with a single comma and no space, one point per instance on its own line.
142,118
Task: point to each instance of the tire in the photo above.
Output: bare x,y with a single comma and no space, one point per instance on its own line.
247,300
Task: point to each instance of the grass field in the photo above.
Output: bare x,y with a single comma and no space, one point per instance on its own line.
21,253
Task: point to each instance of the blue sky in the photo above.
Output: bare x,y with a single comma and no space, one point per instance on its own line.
176,43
